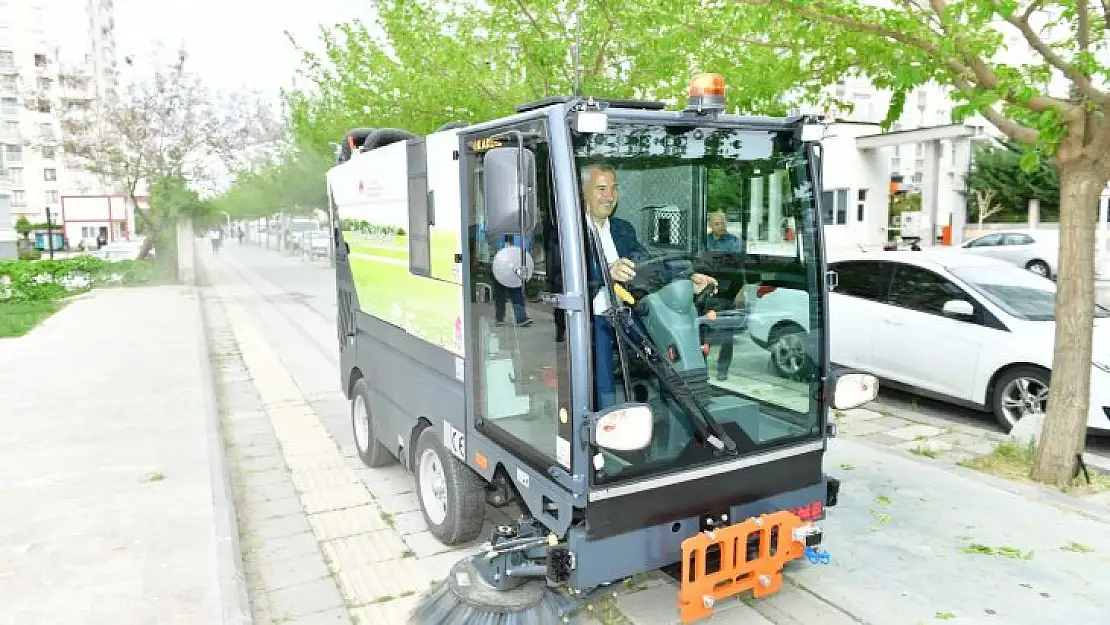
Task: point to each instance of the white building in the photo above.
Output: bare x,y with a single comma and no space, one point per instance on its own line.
56,58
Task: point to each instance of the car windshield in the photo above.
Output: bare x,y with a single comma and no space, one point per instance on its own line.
1020,293
695,205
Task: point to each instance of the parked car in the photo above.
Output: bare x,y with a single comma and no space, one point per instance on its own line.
961,328
1030,251
316,245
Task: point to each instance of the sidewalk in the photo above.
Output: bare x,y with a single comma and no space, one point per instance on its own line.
108,501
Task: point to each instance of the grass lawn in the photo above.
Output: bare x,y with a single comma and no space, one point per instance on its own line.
17,319
1014,462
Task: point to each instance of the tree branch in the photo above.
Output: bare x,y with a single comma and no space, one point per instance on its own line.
1082,82
1012,129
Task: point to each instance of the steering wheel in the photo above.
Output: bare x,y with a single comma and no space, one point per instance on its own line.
648,279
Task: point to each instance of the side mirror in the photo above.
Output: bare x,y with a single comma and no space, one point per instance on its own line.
852,390
627,427
958,308
505,171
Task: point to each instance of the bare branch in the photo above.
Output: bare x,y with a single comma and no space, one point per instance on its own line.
1082,82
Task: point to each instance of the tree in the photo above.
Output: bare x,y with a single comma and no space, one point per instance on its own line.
957,43
997,166
984,204
165,130
439,62
292,183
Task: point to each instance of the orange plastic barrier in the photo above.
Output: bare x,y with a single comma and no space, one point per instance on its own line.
734,573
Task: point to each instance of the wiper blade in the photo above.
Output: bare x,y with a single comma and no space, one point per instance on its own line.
620,318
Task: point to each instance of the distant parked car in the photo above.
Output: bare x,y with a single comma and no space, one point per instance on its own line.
960,328
120,250
1026,250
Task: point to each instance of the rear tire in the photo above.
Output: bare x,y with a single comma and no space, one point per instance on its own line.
452,496
370,450
1039,267
788,354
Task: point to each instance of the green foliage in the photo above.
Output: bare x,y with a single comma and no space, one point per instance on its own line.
293,183
18,318
46,280
23,226
30,254
443,61
1000,166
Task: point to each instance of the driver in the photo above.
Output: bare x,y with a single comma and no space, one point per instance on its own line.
621,251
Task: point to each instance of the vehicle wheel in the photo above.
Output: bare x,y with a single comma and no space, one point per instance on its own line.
1020,392
1038,267
452,497
788,353
370,450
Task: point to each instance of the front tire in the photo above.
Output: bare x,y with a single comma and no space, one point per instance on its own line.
370,450
1018,393
1040,268
788,352
452,497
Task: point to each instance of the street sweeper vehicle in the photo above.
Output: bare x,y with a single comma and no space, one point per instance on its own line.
550,310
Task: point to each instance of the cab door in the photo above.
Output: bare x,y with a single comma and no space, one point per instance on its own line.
516,345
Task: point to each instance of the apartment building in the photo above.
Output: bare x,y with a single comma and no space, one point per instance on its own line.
56,58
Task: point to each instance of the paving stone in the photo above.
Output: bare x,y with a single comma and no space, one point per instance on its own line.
280,527
857,415
423,544
968,442
385,485
335,498
263,478
862,428
311,481
915,432
794,606
330,617
287,573
269,492
374,582
409,523
304,600
287,548
437,567
262,463
364,549
314,461
396,504
348,522
883,439
930,444
274,509
395,611
659,606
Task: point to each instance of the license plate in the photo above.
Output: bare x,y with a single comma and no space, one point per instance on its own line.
745,556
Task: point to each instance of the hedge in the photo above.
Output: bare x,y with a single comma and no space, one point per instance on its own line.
46,280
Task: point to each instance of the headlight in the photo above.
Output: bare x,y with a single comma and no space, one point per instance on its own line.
1105,368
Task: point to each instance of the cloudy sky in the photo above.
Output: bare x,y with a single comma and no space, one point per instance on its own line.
232,43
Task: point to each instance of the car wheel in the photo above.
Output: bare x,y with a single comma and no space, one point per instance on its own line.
788,352
1018,393
1039,267
370,449
452,496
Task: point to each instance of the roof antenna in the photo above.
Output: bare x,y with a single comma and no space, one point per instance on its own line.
577,51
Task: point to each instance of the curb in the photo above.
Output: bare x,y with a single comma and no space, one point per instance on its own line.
234,602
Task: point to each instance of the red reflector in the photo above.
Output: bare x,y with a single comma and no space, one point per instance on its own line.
812,512
764,290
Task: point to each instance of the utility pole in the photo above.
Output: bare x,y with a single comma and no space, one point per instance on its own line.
49,233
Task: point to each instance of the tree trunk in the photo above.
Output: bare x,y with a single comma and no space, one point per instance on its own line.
1065,428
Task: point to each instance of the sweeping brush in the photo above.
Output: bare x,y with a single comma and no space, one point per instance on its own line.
463,598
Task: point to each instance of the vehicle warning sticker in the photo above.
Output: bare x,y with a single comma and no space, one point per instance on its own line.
562,451
454,441
522,479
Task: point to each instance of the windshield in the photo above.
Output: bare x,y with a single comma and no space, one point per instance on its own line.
715,229
1018,292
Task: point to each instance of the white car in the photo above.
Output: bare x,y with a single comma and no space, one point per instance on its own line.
960,328
1027,250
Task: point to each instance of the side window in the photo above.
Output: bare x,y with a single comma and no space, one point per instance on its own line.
1018,239
420,251
863,279
988,241
922,290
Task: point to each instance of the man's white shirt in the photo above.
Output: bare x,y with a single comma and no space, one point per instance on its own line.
609,250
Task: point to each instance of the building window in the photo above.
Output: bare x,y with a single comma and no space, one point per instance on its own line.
51,197
48,152
50,175
835,207
7,59
15,154
9,106
861,202
19,198
40,60
918,178
16,174
9,84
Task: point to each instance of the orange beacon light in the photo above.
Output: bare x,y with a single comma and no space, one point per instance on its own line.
706,94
